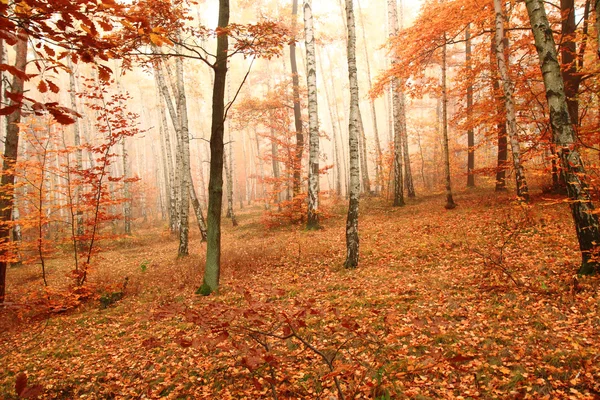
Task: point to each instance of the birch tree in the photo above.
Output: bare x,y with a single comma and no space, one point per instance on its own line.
352,240
313,119
508,90
398,115
584,216
297,111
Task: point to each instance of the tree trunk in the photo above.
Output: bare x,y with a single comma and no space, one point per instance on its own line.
352,240
379,157
197,210
184,139
408,179
336,151
11,146
175,197
470,131
500,123
568,55
508,90
167,157
397,111
450,204
313,119
126,189
586,221
364,161
212,269
229,177
297,111
77,142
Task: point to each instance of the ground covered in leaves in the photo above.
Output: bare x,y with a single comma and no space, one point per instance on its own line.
477,302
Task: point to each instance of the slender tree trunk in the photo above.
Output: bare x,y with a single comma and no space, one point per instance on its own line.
197,210
408,179
508,90
79,151
336,150
167,157
126,189
586,220
352,240
229,177
212,269
344,163
185,159
174,180
313,119
364,162
11,146
297,111
500,123
379,156
398,115
470,130
450,204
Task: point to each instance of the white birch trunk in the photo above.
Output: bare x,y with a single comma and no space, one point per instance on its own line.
508,90
352,240
313,119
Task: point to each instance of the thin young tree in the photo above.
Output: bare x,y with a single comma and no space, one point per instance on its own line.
313,119
582,208
470,130
450,204
352,240
398,114
212,269
508,90
297,110
11,146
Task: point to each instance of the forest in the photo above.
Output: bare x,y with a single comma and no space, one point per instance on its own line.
285,199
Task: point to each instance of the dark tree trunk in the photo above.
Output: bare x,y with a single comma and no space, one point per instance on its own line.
215,183
11,145
470,132
297,111
586,221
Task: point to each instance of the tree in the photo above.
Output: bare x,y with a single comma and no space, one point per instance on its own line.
398,114
470,131
297,109
11,146
352,240
582,208
212,269
450,204
508,90
313,120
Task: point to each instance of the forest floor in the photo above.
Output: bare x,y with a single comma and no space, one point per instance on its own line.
477,302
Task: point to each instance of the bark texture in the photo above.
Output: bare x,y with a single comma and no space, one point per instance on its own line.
450,204
352,240
586,221
212,268
398,115
313,119
11,146
508,90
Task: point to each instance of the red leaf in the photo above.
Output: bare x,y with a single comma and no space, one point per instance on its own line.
20,383
53,87
10,109
42,87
